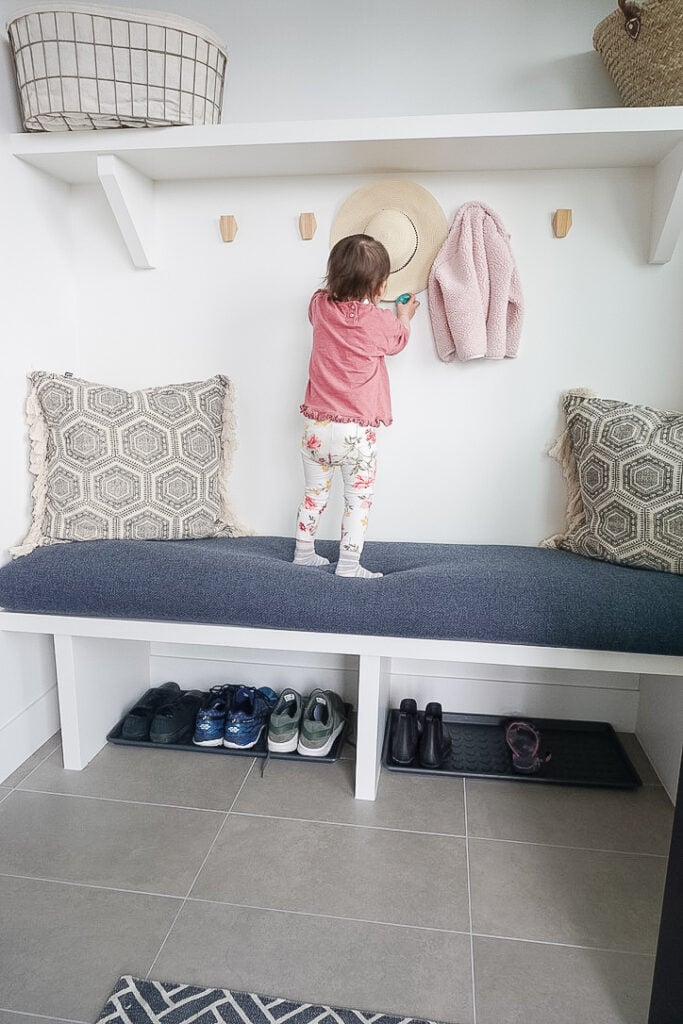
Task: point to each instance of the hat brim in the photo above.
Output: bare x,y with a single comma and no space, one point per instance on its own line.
419,205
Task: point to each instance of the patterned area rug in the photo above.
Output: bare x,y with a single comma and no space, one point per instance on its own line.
135,1001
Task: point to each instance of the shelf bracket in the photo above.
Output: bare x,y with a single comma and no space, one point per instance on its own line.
667,206
130,195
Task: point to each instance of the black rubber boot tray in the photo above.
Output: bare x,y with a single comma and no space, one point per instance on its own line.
260,750
582,753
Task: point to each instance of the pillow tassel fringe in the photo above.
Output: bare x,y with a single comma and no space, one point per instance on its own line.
232,527
37,430
561,451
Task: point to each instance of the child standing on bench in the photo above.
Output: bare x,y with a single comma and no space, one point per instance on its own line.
347,397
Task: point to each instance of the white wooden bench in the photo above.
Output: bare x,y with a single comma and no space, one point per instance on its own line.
103,665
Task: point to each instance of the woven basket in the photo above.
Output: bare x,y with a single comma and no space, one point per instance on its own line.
641,46
81,67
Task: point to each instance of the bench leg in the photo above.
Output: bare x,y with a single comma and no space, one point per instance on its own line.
373,704
97,681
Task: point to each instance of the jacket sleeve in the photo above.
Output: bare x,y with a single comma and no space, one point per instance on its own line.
458,290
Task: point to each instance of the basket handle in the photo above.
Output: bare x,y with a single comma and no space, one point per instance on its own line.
631,11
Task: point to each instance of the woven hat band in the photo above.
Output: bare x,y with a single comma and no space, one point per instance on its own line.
397,233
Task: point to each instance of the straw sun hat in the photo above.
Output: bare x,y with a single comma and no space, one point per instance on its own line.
406,219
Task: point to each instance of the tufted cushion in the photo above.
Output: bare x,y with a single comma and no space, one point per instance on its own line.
140,465
505,594
624,467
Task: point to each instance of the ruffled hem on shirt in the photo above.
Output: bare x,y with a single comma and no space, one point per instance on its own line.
320,414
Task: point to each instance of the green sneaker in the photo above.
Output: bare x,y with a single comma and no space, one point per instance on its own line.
285,719
323,719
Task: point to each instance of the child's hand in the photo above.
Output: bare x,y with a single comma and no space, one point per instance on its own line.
406,311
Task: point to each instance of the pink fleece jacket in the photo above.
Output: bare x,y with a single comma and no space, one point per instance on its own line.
347,378
475,296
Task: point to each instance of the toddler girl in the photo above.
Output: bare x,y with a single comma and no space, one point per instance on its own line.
347,397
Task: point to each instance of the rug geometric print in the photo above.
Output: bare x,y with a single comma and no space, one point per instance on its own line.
136,1001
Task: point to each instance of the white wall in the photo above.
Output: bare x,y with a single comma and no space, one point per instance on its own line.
37,301
659,727
465,459
36,295
401,57
474,431
308,59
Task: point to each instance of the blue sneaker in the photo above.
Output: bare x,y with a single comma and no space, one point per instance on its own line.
248,716
210,721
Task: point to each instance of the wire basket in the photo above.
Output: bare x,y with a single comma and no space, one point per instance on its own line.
80,67
641,46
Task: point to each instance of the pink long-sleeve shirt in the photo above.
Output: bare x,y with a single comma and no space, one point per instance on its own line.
347,377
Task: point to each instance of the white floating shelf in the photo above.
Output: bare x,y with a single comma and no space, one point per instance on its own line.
614,137
548,139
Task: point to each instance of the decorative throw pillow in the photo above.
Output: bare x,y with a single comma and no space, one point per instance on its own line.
136,465
624,469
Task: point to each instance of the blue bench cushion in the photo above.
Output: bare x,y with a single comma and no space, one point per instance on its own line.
504,594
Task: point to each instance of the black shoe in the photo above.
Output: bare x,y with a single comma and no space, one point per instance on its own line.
405,737
174,721
138,720
435,743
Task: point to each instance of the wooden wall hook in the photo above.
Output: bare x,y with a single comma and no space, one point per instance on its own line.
228,228
562,222
307,226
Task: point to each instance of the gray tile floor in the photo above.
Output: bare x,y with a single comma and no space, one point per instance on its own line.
476,902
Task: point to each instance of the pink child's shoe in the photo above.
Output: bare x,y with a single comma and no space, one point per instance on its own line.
524,740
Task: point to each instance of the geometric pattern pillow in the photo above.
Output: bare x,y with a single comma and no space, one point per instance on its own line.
136,465
624,467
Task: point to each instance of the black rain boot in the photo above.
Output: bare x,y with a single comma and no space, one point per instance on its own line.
404,740
435,743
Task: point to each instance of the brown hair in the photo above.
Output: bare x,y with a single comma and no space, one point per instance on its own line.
357,268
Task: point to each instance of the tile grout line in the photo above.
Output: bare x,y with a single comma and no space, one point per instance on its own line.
325,917
574,849
120,800
332,917
208,852
348,824
42,1016
229,903
565,945
469,902
451,835
90,885
342,824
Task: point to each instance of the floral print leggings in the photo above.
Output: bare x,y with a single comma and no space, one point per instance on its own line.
324,445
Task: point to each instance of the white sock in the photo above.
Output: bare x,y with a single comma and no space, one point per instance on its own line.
349,566
304,554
